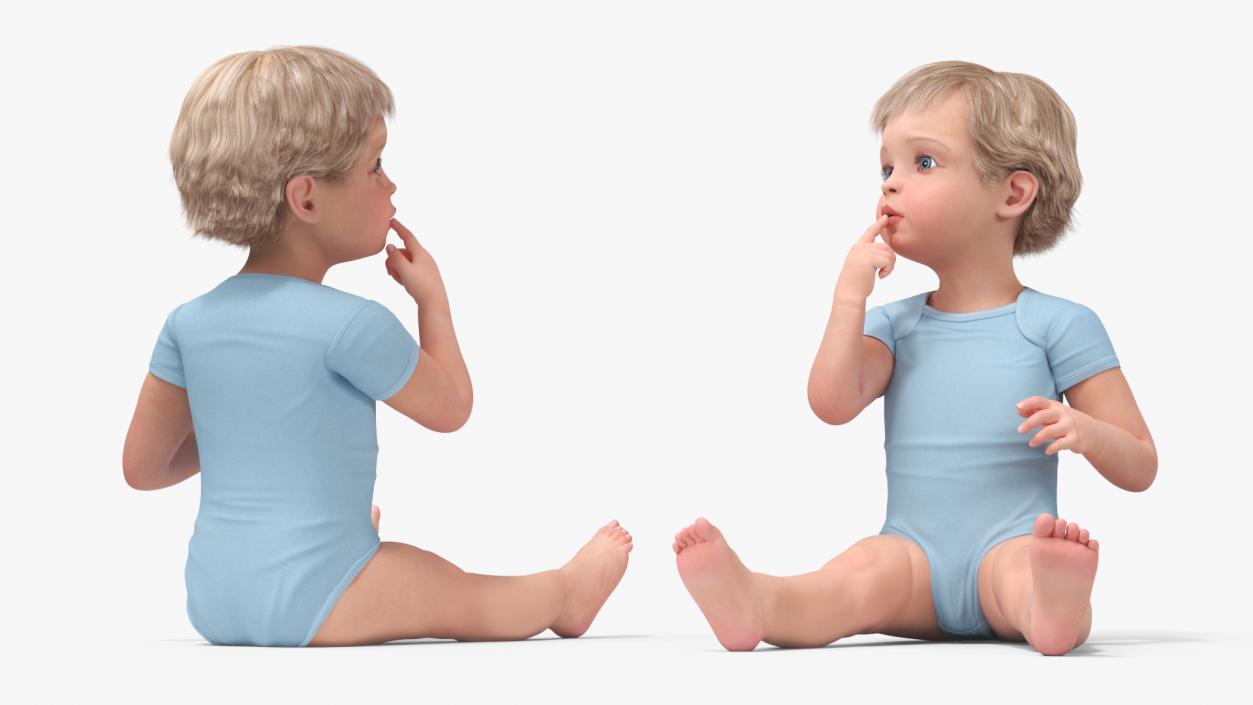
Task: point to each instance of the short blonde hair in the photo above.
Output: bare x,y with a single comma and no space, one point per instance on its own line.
1017,122
254,120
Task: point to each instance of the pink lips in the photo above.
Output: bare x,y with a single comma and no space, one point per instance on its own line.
893,216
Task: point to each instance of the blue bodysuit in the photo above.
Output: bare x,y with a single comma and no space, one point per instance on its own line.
281,375
961,479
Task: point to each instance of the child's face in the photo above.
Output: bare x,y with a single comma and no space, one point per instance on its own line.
928,159
359,216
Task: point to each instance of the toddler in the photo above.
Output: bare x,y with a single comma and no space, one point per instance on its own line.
266,385
978,166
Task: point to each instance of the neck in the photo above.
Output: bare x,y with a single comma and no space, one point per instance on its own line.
976,284
280,257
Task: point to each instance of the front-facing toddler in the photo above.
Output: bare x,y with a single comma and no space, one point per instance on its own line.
978,167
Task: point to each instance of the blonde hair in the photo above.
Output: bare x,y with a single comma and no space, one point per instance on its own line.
254,120
1017,122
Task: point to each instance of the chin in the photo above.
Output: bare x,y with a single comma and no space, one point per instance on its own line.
912,247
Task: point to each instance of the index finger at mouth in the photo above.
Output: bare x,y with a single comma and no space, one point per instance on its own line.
403,232
875,229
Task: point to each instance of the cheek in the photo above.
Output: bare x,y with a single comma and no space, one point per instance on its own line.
932,207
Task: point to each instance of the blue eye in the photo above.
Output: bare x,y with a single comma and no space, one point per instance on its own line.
379,164
923,159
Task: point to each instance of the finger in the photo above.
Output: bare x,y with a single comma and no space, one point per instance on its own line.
1030,405
1049,431
1038,419
405,235
1059,445
404,252
396,255
874,230
883,264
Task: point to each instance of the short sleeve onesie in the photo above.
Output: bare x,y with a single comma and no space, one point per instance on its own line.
961,479
282,375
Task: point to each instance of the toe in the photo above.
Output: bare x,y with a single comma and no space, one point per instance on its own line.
1093,544
705,531
1059,529
1083,536
1043,526
1072,532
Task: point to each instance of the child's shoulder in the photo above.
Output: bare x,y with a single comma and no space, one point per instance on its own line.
1042,317
902,314
284,295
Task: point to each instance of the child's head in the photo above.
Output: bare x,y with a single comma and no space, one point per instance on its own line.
999,161
264,132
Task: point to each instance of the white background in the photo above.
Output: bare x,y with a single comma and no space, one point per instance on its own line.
640,210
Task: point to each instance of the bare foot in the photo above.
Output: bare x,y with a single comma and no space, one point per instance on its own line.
721,586
1063,568
375,514
592,574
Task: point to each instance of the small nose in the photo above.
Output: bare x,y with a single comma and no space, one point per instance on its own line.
890,184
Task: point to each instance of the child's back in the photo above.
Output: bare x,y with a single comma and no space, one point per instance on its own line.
281,376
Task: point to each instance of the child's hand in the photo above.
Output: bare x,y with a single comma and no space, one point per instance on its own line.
414,268
1069,426
857,278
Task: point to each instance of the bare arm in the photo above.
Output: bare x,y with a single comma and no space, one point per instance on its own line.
851,369
1120,447
160,448
1103,424
439,394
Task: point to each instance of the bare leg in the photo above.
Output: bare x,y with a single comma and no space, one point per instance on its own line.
881,584
405,592
1037,588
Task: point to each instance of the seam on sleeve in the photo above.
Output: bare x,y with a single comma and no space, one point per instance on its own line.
167,375
1022,317
340,334
1086,371
405,373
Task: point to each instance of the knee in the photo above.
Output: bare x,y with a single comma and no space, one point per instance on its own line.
876,580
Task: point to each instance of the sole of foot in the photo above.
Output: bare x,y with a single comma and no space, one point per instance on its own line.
720,584
1063,569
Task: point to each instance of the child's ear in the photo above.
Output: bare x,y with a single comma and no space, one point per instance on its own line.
299,193
1020,190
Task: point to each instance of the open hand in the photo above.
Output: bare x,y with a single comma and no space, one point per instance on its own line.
1070,427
